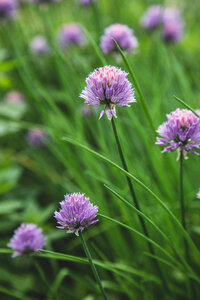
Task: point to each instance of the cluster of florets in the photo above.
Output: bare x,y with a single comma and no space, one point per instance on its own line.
27,239
8,9
71,34
168,19
108,86
76,213
39,45
87,2
37,137
180,132
122,34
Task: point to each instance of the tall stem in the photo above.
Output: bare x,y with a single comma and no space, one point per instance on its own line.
136,203
94,270
182,206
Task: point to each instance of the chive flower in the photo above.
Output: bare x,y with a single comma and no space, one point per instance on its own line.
39,45
181,132
172,25
123,35
71,34
152,18
76,213
108,86
37,137
27,239
14,97
8,9
87,2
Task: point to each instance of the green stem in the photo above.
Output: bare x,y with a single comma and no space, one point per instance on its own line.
181,192
94,270
136,203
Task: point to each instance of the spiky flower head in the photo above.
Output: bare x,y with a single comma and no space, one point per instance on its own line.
76,213
122,34
108,86
153,17
172,25
39,45
8,9
14,97
71,34
37,137
27,239
181,132
86,2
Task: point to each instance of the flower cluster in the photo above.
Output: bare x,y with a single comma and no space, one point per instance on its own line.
39,45
27,239
181,131
14,97
122,34
108,86
87,2
8,9
37,137
76,213
71,34
169,19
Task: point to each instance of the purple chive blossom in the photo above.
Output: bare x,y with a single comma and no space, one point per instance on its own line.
108,86
181,132
172,25
37,137
8,9
39,45
86,2
152,18
123,36
76,213
71,34
14,97
27,239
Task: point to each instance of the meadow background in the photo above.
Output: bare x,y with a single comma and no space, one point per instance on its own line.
35,179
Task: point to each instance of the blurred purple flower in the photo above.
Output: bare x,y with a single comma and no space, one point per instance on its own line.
198,194
27,239
152,18
123,36
44,1
108,86
8,9
71,34
76,213
86,110
37,137
14,97
172,25
181,132
86,2
39,45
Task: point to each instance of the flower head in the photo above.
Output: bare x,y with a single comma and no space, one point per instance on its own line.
71,34
76,213
122,34
172,25
8,9
37,137
39,45
14,97
27,239
108,86
181,131
87,2
152,18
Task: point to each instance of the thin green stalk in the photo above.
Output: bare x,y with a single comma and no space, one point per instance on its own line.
136,203
94,270
182,206
187,106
